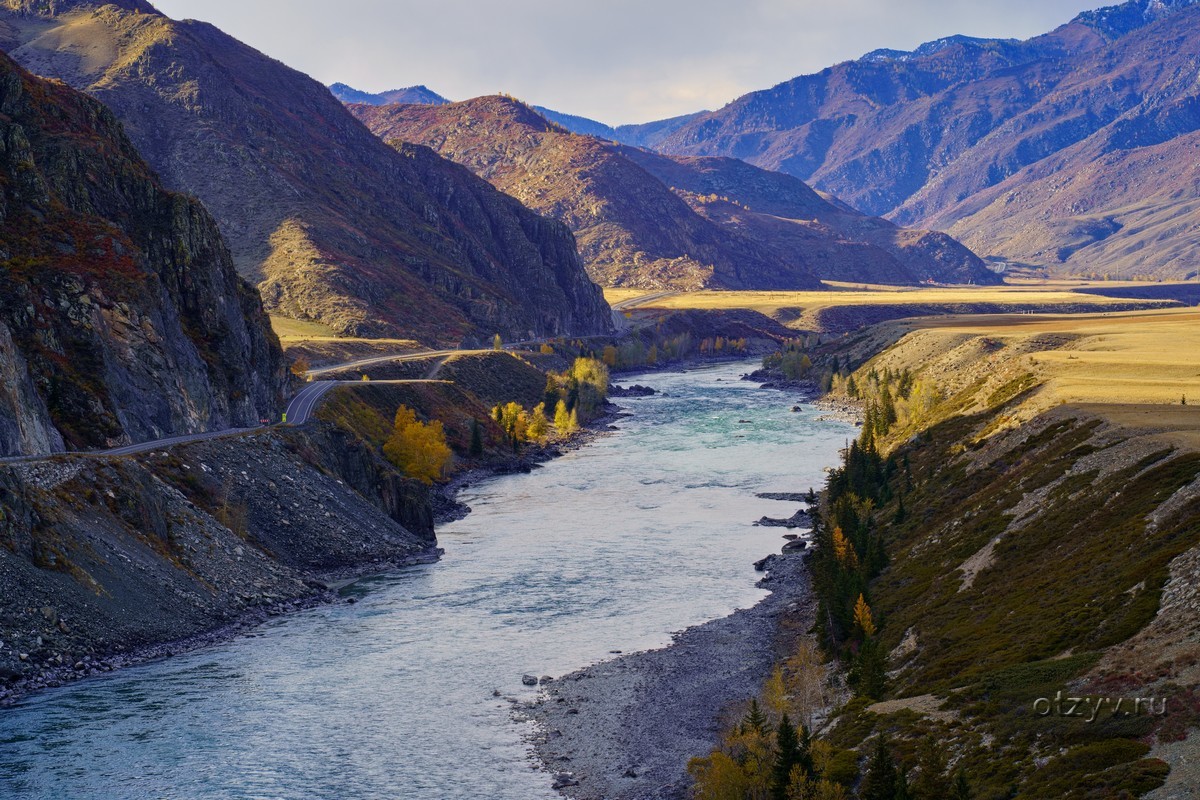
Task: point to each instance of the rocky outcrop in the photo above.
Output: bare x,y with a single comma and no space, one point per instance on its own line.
331,223
103,561
1049,151
121,316
653,221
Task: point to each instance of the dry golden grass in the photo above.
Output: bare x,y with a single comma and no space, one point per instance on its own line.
621,295
1133,368
771,303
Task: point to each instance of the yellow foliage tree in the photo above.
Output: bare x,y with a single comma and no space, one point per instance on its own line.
775,694
610,355
418,448
538,427
862,616
547,350
300,367
565,421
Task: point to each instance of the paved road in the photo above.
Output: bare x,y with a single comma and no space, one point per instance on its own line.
299,410
393,358
634,302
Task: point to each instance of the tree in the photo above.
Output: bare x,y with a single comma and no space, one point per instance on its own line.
931,782
514,422
546,349
755,719
418,448
538,427
862,616
880,782
476,439
610,355
962,789
565,421
497,342
300,367
791,752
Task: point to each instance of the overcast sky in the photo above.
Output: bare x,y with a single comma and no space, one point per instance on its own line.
613,60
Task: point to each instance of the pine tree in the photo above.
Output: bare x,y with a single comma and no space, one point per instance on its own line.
755,719
880,782
962,789
902,790
787,755
931,782
476,439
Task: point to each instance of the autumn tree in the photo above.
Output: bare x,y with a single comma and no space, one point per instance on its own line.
300,367
418,448
565,421
497,342
538,427
862,617
546,349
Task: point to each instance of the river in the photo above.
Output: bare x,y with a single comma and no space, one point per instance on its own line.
612,547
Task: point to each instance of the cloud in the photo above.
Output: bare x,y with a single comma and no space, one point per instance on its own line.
613,60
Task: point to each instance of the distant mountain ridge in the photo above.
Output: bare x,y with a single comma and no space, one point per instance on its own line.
1050,151
121,316
409,94
645,134
652,221
332,224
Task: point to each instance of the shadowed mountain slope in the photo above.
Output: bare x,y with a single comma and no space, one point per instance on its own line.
335,226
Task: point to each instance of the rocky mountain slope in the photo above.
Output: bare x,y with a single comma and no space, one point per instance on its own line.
121,316
335,226
1074,149
653,221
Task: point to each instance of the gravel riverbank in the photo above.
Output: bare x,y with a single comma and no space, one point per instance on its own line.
625,729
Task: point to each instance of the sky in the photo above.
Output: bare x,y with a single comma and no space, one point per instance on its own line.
618,61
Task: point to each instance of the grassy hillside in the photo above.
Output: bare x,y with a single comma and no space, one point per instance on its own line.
1029,526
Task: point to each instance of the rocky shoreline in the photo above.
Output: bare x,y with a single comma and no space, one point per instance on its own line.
625,729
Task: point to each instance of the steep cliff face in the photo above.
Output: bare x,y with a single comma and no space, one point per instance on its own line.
334,225
121,316
1053,151
654,221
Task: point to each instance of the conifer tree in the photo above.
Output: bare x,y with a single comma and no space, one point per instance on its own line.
880,781
476,439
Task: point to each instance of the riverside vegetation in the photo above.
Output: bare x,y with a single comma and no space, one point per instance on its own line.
982,546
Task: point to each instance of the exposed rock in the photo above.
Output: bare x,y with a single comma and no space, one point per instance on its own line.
334,225
121,316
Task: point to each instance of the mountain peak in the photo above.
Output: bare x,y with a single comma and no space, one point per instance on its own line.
931,48
1116,21
417,95
50,8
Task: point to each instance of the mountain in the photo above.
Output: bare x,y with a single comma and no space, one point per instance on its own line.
648,220
331,223
409,94
1074,149
121,315
645,134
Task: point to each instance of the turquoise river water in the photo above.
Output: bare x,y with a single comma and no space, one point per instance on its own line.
611,547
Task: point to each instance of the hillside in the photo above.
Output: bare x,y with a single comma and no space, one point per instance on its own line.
651,221
1024,449
1062,151
335,227
121,316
